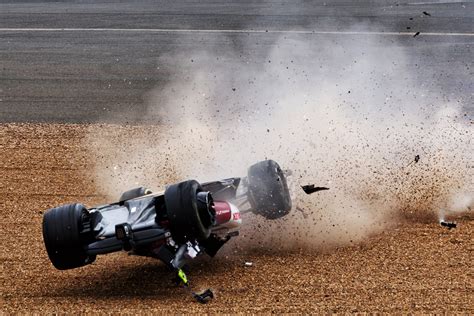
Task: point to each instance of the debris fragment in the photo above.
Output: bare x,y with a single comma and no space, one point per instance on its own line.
416,34
426,13
204,297
449,225
310,188
299,209
182,279
417,158
248,264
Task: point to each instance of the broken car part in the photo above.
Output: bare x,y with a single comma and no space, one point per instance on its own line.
203,297
310,188
449,225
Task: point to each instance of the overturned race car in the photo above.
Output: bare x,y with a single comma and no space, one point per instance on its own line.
175,225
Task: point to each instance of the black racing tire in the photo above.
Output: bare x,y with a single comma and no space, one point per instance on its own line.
268,192
61,235
134,193
188,219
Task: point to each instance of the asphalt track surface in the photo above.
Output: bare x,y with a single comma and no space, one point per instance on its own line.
95,62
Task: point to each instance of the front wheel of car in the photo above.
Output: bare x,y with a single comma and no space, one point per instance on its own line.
61,234
268,191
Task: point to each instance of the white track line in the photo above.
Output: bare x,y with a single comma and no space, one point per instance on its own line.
228,31
435,2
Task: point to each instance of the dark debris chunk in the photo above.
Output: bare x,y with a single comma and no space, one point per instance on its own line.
449,225
310,188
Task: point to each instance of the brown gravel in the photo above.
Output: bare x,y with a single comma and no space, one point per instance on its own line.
416,267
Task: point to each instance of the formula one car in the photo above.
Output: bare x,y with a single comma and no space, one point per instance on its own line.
178,224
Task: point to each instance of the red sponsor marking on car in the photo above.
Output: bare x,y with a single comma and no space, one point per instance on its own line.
223,212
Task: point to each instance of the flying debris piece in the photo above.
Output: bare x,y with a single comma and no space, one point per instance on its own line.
310,188
416,34
449,225
248,264
417,158
426,13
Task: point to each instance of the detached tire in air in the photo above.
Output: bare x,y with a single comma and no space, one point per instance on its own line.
190,218
61,234
268,192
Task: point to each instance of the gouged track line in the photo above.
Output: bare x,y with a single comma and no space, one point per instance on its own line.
140,30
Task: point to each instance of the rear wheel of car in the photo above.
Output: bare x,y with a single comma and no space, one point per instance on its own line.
268,190
61,234
134,193
189,211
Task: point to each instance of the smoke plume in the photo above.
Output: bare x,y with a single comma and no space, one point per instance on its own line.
344,112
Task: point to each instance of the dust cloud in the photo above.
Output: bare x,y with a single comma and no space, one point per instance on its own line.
343,112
